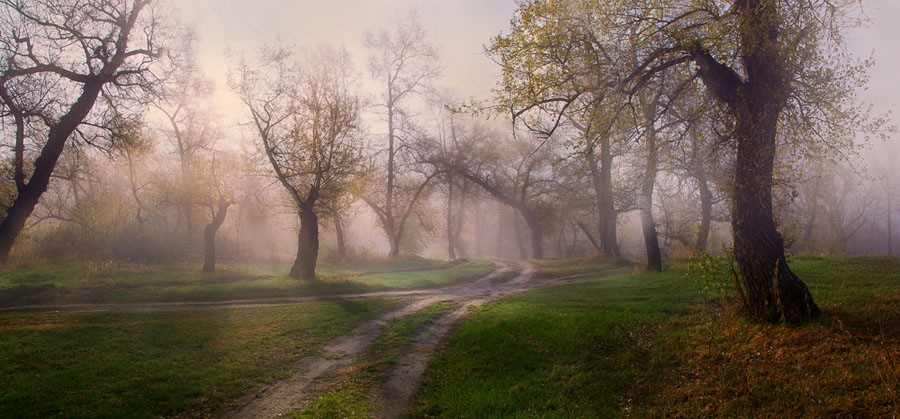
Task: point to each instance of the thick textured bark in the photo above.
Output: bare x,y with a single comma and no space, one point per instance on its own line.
307,246
771,291
209,236
29,194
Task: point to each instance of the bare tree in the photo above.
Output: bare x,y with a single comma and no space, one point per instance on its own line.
189,128
404,63
56,60
306,115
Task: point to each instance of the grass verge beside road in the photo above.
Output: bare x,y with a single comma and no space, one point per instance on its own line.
651,345
60,282
159,364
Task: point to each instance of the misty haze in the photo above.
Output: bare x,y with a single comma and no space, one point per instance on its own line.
467,208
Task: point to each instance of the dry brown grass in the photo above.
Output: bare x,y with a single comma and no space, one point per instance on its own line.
842,365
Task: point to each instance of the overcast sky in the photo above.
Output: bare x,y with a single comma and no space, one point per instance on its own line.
459,28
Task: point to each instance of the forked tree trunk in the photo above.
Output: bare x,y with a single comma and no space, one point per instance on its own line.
209,236
307,246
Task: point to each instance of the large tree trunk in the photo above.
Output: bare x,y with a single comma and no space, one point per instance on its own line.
307,246
29,194
771,291
209,236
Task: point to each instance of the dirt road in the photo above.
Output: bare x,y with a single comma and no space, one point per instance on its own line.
396,393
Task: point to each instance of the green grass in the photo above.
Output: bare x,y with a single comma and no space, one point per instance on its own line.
569,351
650,345
352,394
158,364
557,268
70,282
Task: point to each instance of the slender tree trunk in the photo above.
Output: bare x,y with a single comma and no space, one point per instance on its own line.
459,225
479,231
601,179
520,239
890,230
587,232
537,235
29,194
451,254
339,233
561,244
705,213
209,236
651,239
501,223
307,246
389,227
609,236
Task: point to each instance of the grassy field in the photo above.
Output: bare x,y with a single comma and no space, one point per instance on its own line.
43,282
665,345
636,344
158,364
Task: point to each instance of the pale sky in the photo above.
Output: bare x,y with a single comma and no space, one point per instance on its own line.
458,28
882,37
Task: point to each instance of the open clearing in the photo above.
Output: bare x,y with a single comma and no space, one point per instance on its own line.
605,341
93,286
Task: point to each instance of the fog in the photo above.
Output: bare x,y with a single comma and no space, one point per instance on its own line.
443,172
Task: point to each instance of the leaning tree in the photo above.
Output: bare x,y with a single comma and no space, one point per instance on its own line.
778,69
64,68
